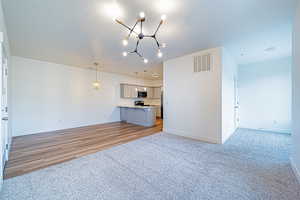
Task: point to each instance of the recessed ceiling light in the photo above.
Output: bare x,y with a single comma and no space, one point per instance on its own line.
166,6
113,10
270,49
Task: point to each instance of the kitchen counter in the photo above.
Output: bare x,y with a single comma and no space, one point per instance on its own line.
137,107
140,115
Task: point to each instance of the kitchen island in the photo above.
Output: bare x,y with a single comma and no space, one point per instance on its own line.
140,115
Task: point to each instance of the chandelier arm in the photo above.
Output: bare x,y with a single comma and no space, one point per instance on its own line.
137,44
138,54
130,29
136,48
149,36
154,37
160,23
158,45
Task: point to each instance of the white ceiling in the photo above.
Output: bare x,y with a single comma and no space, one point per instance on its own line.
79,32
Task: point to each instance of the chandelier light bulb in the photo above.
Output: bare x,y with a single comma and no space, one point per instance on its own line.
125,42
163,17
164,45
142,15
145,60
124,53
96,85
159,54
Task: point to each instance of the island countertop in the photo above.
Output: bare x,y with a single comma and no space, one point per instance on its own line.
140,115
137,107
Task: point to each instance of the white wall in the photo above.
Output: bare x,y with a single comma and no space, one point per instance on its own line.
265,95
192,101
296,95
229,73
47,96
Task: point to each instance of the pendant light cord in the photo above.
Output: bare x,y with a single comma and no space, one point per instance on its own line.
96,68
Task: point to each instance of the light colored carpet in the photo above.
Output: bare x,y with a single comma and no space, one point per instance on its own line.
251,165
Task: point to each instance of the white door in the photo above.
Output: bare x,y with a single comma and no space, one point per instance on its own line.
236,103
4,104
2,134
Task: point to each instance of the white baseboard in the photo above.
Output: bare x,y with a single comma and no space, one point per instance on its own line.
186,134
23,133
228,136
1,184
268,130
295,169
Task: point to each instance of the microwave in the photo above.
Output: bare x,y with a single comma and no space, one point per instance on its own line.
142,94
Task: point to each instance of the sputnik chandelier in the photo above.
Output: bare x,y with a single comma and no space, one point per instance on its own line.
140,36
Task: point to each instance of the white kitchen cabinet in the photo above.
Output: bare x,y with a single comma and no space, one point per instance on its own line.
131,91
134,91
128,91
150,92
157,93
143,88
125,91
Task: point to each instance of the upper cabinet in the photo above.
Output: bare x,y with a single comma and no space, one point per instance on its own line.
131,91
150,92
125,91
134,91
156,93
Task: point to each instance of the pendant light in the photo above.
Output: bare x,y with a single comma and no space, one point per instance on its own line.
96,83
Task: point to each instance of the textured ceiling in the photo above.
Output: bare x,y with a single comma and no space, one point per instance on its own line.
80,32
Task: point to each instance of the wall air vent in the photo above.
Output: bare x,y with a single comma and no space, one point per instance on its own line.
202,63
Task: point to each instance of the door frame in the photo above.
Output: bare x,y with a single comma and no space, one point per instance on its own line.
236,103
4,102
2,136
4,130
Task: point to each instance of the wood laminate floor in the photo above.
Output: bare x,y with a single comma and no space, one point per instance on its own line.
37,151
